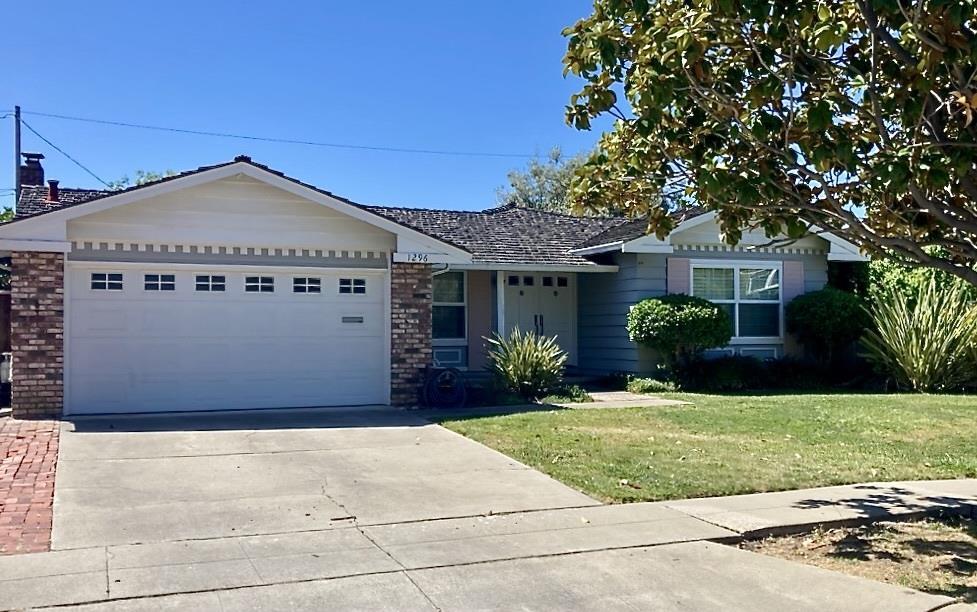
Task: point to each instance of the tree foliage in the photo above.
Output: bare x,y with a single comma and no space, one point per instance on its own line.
142,177
544,184
857,117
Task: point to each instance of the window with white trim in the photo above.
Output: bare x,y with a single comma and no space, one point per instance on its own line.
107,281
159,282
352,285
210,282
749,292
306,284
448,320
259,284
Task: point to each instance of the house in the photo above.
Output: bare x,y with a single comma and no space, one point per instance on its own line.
234,286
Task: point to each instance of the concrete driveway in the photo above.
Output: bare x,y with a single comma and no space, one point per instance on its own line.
371,510
126,480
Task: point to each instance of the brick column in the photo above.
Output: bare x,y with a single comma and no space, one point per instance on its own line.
37,334
410,330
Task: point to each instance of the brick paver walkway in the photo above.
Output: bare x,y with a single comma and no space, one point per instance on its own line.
28,455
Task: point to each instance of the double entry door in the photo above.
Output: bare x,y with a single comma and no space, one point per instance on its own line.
544,303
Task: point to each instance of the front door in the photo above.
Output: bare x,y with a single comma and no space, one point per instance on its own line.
544,303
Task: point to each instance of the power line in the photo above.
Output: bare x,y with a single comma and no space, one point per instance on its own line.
310,143
61,151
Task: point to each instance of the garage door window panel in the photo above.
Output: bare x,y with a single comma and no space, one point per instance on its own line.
159,282
353,286
306,284
210,282
106,281
259,284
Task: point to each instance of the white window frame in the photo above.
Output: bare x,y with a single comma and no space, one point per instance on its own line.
159,282
107,282
736,266
259,284
303,282
463,303
210,283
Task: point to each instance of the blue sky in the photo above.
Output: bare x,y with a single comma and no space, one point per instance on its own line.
468,76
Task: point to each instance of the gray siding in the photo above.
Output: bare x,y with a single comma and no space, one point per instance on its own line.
604,300
603,303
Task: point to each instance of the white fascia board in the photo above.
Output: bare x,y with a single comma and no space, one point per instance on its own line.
648,247
25,228
42,246
842,255
421,249
600,248
839,249
500,267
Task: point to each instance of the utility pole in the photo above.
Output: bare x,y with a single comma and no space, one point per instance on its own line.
16,156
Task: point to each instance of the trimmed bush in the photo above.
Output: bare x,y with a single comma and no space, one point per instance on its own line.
678,326
526,364
925,339
827,321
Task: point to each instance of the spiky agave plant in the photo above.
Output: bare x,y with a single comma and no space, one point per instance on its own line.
526,363
927,340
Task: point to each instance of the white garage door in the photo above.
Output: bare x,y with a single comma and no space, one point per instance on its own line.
160,340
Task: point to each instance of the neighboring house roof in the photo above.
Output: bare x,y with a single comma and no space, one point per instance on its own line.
508,234
33,199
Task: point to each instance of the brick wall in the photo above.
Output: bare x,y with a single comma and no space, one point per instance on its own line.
410,330
37,334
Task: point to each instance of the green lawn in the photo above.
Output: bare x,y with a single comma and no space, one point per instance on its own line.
725,445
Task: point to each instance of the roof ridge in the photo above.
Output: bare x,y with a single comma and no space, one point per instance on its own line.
422,209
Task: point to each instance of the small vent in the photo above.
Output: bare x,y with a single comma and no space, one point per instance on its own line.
352,319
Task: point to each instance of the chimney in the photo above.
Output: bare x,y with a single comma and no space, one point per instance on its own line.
31,171
52,190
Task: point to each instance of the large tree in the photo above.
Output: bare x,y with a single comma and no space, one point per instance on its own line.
544,184
856,117
142,177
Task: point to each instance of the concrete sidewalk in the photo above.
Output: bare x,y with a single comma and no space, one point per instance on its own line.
763,514
648,556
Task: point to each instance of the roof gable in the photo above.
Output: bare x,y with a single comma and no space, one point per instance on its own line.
49,224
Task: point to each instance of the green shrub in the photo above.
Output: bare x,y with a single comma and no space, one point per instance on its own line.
526,364
826,321
567,394
678,326
651,385
925,339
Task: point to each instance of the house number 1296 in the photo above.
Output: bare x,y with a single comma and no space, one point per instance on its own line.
417,257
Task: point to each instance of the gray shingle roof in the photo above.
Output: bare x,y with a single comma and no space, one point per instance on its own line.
506,235
630,230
